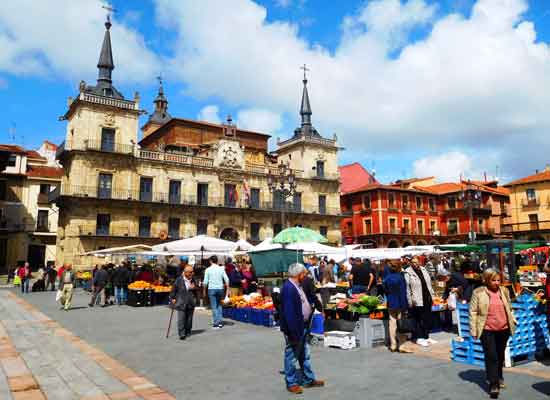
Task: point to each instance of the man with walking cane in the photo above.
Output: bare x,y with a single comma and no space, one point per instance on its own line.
296,312
184,299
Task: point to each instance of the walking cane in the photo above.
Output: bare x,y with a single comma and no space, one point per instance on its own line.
170,323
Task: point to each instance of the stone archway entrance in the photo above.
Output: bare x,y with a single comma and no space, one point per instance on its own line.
407,243
393,244
229,234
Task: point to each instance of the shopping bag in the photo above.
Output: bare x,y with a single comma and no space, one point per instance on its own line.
405,324
451,301
17,280
58,296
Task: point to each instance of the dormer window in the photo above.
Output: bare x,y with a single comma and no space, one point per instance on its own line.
12,161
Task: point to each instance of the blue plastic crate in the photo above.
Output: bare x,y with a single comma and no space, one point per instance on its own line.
267,318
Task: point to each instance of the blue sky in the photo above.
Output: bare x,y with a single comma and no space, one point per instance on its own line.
402,83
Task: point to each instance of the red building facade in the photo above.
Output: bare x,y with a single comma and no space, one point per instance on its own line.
419,212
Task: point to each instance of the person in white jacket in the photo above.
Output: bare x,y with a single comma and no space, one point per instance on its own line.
420,296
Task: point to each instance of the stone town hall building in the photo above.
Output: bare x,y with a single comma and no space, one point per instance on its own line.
184,177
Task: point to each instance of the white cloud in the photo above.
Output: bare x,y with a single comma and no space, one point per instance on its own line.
445,167
64,39
259,120
478,83
210,113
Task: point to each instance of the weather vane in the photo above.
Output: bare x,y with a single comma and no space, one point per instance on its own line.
306,69
159,78
109,11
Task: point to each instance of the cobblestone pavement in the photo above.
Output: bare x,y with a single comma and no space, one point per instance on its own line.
40,359
240,361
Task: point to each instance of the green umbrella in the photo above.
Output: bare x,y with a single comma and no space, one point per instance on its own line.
298,235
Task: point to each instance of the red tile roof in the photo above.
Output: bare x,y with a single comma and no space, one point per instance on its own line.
540,177
51,145
40,171
12,148
353,177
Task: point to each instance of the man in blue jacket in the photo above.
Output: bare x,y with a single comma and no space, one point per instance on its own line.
296,311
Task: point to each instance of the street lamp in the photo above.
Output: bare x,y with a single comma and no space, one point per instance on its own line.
471,198
282,184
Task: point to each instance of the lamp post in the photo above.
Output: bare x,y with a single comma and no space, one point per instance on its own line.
283,184
471,198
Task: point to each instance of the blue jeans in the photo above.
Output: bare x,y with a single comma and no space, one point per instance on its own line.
216,297
356,289
121,294
25,285
291,374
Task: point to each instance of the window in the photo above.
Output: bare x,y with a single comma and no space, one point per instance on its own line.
453,227
451,202
3,190
320,169
174,228
368,227
349,203
420,227
480,225
174,192
202,194
42,221
366,202
534,221
45,188
393,225
255,198
419,205
391,200
323,230
230,195
104,191
322,204
297,202
431,203
405,201
349,228
406,225
278,200
276,229
102,224
433,227
531,194
255,231
12,161
145,189
144,226
107,139
202,226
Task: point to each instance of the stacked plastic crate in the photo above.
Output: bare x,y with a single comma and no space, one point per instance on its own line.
531,336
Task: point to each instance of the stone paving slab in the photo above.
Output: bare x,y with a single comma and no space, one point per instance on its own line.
40,359
242,361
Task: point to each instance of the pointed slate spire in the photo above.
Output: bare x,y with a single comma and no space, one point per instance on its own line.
305,109
105,64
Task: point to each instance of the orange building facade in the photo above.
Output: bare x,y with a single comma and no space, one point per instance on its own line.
420,212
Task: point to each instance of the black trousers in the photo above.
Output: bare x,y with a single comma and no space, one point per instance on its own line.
423,321
185,321
494,347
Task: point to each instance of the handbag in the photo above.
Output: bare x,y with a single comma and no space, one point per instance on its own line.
405,324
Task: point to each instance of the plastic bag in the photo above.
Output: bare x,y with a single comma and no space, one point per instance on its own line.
58,296
226,300
451,301
17,280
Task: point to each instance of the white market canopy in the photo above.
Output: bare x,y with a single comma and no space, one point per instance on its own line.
266,244
243,245
119,250
196,245
394,253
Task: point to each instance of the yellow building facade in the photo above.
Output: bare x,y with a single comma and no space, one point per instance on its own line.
183,177
530,207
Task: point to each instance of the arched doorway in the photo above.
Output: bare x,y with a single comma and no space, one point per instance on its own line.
407,243
392,244
229,234
421,243
434,243
369,243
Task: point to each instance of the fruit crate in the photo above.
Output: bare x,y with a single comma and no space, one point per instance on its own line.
137,298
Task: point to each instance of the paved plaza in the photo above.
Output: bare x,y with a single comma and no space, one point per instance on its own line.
122,353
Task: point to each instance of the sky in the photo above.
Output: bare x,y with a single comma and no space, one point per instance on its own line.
444,88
